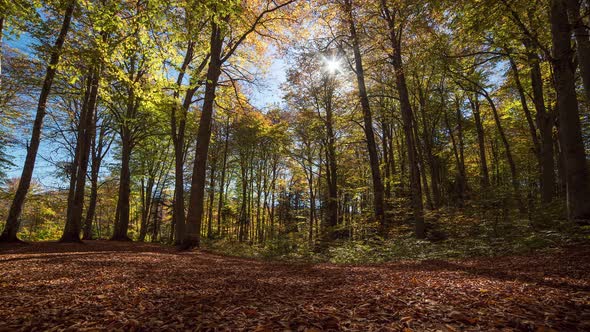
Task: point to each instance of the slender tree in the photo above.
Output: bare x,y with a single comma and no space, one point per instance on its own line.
12,222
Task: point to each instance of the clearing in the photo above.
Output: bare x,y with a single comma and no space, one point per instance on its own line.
104,285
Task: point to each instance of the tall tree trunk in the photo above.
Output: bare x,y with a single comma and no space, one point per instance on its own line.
331,174
195,212
507,149
570,131
97,156
420,156
178,209
147,200
74,220
459,176
312,207
378,189
430,157
386,162
545,165
545,124
178,137
391,152
73,169
485,176
222,180
212,172
12,222
406,110
1,35
525,107
581,32
122,222
461,142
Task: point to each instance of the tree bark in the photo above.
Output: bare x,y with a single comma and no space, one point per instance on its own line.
378,189
430,157
406,110
212,172
74,220
331,171
459,177
195,212
570,131
545,124
581,33
13,222
178,137
1,35
122,222
222,180
98,145
485,176
504,139
147,199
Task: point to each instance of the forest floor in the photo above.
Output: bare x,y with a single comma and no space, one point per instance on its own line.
104,285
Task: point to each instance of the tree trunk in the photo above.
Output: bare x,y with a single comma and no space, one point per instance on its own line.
461,142
570,132
485,176
581,33
312,206
12,222
122,222
211,198
1,35
178,137
331,173
99,150
545,124
222,180
378,189
147,198
73,169
420,156
459,176
507,149
74,220
430,157
386,163
406,110
195,212
525,108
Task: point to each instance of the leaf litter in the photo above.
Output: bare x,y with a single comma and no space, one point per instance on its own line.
104,286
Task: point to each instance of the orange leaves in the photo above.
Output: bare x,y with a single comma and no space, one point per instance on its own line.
138,287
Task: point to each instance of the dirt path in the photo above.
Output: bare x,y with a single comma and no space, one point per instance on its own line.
133,286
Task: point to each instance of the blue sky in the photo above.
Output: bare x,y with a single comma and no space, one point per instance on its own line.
269,91
44,171
265,93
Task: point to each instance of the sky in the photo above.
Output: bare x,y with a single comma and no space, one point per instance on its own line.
265,93
269,91
44,171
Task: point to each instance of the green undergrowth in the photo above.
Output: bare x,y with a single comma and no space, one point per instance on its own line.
450,236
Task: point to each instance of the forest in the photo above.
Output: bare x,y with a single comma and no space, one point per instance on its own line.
155,152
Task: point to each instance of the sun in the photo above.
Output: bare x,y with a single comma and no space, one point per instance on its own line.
332,65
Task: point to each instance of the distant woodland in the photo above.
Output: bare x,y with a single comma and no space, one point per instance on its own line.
417,122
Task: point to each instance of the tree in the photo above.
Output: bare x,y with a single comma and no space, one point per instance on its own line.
395,33
12,223
378,189
570,131
221,50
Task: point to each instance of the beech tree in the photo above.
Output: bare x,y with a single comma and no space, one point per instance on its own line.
9,234
395,119
222,48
